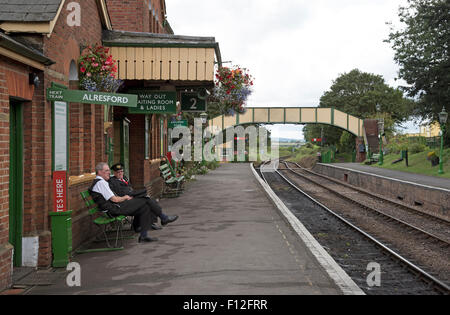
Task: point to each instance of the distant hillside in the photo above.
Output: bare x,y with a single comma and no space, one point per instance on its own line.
289,140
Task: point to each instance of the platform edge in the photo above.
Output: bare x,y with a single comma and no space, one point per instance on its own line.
335,272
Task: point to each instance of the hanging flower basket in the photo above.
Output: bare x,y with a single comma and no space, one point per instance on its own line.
98,70
232,89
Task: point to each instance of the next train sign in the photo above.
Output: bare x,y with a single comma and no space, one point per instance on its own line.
86,97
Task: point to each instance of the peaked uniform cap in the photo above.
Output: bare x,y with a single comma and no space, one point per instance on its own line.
117,167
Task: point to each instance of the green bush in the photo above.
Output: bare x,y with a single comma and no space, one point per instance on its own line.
346,143
397,144
417,148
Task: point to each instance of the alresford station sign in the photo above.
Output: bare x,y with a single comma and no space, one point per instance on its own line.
86,97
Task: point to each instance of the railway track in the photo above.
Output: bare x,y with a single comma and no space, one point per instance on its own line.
417,222
309,207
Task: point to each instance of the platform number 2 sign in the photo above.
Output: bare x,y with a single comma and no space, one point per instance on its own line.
194,103
190,102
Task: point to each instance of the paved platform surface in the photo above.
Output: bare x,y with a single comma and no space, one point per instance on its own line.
229,240
404,176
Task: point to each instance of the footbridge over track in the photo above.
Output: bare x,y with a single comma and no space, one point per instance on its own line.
291,115
366,131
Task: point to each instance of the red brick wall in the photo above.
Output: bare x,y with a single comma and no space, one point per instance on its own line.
157,18
64,45
5,266
82,227
135,15
5,250
12,76
143,173
153,180
137,150
129,15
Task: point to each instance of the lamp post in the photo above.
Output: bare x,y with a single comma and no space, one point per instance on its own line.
380,135
443,116
204,118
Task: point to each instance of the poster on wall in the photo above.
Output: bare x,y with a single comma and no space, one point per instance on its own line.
60,136
59,191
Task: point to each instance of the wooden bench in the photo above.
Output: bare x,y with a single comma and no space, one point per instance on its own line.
373,159
107,224
174,173
174,184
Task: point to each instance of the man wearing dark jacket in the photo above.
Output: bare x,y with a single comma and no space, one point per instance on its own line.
121,186
115,205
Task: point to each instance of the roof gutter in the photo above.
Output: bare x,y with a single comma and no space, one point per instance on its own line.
19,48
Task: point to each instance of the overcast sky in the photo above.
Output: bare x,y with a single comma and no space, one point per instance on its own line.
294,48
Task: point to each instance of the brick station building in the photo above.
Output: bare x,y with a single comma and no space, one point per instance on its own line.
39,48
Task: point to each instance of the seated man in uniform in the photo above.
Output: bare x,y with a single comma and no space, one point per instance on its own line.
121,186
126,205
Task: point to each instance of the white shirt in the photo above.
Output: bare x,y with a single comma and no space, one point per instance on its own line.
102,187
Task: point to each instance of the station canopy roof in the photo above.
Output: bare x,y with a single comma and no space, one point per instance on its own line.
163,57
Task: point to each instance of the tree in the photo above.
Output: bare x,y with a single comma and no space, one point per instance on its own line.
422,50
358,93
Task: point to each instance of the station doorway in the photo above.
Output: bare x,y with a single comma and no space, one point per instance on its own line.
16,180
122,144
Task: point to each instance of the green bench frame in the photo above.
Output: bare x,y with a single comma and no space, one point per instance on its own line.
107,225
174,184
374,158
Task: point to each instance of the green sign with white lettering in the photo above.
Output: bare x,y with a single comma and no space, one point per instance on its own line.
191,102
155,102
86,97
178,123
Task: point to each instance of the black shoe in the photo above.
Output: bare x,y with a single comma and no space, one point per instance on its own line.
170,219
147,239
156,227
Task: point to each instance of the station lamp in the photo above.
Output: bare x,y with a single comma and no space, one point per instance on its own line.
204,118
443,116
381,133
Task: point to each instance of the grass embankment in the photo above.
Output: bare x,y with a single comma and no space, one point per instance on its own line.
306,156
418,164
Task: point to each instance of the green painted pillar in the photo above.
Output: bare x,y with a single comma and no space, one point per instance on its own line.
61,238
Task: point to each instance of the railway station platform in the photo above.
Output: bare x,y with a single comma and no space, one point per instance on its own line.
424,193
230,239
425,180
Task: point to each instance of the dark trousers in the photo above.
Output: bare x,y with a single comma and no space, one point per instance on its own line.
153,207
140,210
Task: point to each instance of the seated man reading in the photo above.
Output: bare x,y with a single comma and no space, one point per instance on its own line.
126,205
121,186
